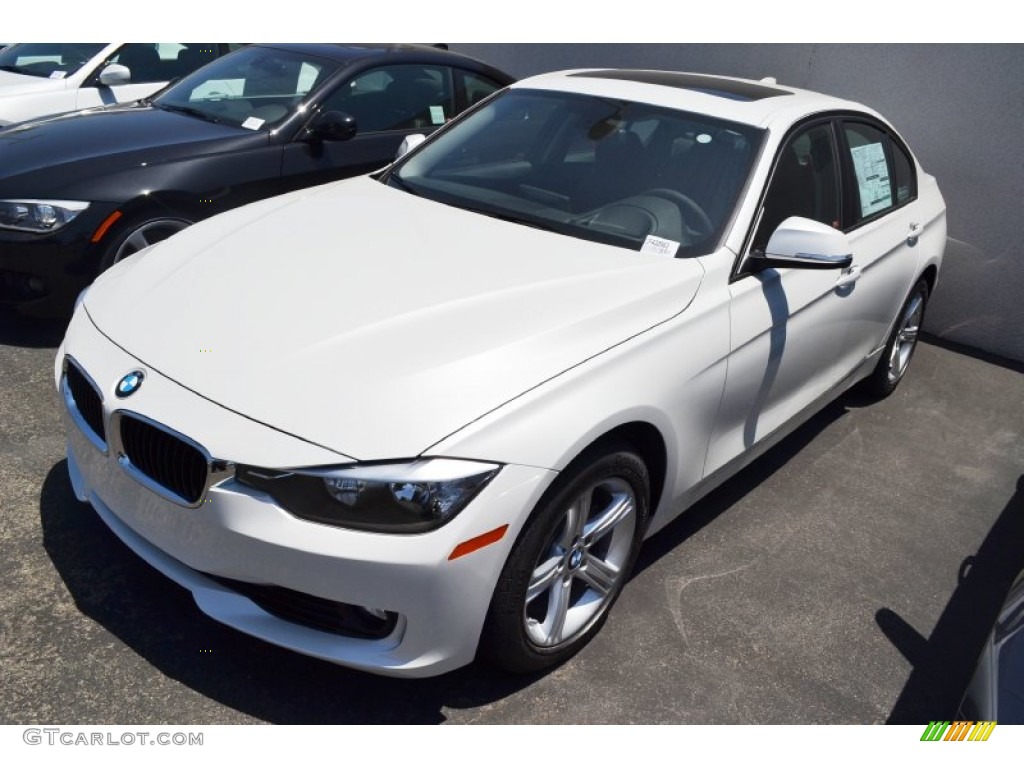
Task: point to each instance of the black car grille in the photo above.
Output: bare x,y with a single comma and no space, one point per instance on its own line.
165,459
87,400
314,612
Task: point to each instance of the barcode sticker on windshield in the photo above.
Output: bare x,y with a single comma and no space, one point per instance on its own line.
659,246
437,115
57,74
253,123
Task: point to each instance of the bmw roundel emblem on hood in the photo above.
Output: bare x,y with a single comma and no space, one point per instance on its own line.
129,384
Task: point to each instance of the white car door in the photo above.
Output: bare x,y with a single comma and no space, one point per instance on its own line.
788,324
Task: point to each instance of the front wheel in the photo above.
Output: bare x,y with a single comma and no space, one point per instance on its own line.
569,564
902,342
137,234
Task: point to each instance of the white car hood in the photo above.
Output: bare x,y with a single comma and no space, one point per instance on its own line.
373,322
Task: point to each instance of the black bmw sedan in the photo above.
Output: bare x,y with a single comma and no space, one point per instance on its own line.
79,192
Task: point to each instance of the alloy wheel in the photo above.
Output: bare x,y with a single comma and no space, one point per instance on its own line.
906,338
148,234
579,570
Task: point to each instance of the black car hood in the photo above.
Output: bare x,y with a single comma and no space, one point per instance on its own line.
56,156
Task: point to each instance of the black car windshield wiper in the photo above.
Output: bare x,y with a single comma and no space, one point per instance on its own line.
13,68
189,111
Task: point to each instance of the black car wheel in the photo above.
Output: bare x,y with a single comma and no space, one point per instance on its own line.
140,233
569,564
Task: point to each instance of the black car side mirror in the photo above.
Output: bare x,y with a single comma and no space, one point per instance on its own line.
332,126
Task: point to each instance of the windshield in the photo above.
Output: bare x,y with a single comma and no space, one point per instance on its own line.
53,60
618,172
254,88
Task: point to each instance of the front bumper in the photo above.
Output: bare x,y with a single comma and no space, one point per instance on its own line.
237,533
41,274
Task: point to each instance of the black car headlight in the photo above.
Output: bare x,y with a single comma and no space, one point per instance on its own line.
38,215
407,497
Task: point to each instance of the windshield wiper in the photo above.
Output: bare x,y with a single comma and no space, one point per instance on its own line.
13,68
394,179
513,218
192,111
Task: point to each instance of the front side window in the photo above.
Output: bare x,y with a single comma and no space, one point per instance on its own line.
52,60
254,88
396,98
804,183
600,169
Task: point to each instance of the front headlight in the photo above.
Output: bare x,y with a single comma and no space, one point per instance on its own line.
410,497
38,215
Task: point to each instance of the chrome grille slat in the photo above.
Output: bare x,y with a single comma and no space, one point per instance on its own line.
168,461
85,399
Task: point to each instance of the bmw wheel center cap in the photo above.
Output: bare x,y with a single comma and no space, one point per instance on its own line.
129,383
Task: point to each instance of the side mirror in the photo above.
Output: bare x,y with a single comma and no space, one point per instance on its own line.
807,244
409,143
115,74
332,126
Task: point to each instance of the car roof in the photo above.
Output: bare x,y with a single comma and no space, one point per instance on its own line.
763,103
348,53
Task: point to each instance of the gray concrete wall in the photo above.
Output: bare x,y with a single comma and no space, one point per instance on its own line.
961,109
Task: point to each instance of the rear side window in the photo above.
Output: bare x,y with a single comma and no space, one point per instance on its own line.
881,173
472,88
903,174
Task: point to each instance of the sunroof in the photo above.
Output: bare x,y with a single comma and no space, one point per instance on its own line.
713,86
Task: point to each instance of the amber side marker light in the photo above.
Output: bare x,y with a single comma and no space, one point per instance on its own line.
478,542
101,230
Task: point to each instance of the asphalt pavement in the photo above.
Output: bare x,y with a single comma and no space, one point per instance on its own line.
848,576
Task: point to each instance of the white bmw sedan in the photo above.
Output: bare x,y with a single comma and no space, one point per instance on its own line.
397,421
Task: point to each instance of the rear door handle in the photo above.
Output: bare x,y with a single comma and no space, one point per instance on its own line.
914,233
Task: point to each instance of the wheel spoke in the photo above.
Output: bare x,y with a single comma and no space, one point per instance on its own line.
576,518
909,333
138,241
914,308
543,575
599,574
558,607
894,358
620,508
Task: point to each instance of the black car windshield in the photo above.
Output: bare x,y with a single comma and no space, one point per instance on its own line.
51,60
254,88
629,174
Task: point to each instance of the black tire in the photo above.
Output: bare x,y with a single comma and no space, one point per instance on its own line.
899,349
137,233
522,633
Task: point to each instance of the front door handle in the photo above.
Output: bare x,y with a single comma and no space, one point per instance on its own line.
849,276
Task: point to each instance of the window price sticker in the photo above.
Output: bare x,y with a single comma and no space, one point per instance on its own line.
659,246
